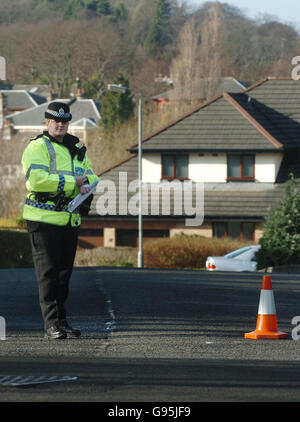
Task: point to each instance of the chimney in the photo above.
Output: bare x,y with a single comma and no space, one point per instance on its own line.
7,130
79,90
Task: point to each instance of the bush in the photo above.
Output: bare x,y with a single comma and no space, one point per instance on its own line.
15,249
280,244
125,262
186,252
120,257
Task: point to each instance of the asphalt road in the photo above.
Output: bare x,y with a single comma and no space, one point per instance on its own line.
152,336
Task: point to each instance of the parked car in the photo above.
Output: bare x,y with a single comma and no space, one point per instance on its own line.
242,259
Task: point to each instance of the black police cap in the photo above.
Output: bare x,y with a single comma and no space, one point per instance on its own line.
60,112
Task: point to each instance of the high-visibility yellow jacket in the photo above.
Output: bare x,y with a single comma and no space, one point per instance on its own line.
49,167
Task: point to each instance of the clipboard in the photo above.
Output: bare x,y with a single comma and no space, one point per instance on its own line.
80,198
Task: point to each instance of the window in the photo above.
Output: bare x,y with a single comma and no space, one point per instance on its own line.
91,232
240,167
234,229
238,252
175,166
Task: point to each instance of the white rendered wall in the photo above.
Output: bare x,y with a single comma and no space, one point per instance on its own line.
211,168
208,168
267,167
151,167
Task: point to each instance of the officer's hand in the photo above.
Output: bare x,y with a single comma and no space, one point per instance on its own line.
81,180
84,189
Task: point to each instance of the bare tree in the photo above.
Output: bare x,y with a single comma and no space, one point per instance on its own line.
184,68
211,49
197,67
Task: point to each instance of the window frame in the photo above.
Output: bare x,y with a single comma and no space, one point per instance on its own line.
173,177
241,177
242,236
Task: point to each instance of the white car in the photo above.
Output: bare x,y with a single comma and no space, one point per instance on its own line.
240,260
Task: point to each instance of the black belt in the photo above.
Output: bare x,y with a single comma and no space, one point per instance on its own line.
59,199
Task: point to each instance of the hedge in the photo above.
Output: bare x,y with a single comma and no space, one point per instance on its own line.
15,249
187,252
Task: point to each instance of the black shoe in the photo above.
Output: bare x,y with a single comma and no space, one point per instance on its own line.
72,332
55,333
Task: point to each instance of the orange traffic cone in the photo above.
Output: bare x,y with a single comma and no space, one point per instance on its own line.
266,326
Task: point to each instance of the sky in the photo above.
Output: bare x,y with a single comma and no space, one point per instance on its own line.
287,11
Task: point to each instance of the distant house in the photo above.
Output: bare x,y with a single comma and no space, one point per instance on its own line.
38,89
30,122
21,99
200,90
241,145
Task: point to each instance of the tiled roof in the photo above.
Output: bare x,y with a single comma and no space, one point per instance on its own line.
42,90
280,94
275,103
217,126
260,119
80,108
21,99
199,88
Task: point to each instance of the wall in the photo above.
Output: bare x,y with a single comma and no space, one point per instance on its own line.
208,168
151,165
212,168
267,167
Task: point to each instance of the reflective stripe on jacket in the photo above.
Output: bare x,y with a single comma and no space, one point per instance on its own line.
48,167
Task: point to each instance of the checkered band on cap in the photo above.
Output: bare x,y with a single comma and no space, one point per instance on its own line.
58,111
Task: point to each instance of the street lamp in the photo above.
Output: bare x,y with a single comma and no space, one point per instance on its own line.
121,90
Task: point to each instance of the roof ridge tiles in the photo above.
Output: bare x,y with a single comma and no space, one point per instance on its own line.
207,103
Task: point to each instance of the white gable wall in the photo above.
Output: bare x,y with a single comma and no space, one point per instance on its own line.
267,167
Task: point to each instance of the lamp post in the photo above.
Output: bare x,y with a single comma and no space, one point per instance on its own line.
121,90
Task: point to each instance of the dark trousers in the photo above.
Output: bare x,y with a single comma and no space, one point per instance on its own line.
53,250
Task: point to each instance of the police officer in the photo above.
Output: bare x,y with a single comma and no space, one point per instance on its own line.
56,168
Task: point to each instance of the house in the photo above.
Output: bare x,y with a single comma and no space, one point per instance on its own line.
38,89
199,90
30,122
20,99
241,146
12,101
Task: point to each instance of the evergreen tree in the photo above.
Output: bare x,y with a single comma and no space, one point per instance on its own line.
94,86
280,244
158,36
71,8
121,13
117,108
103,8
99,7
